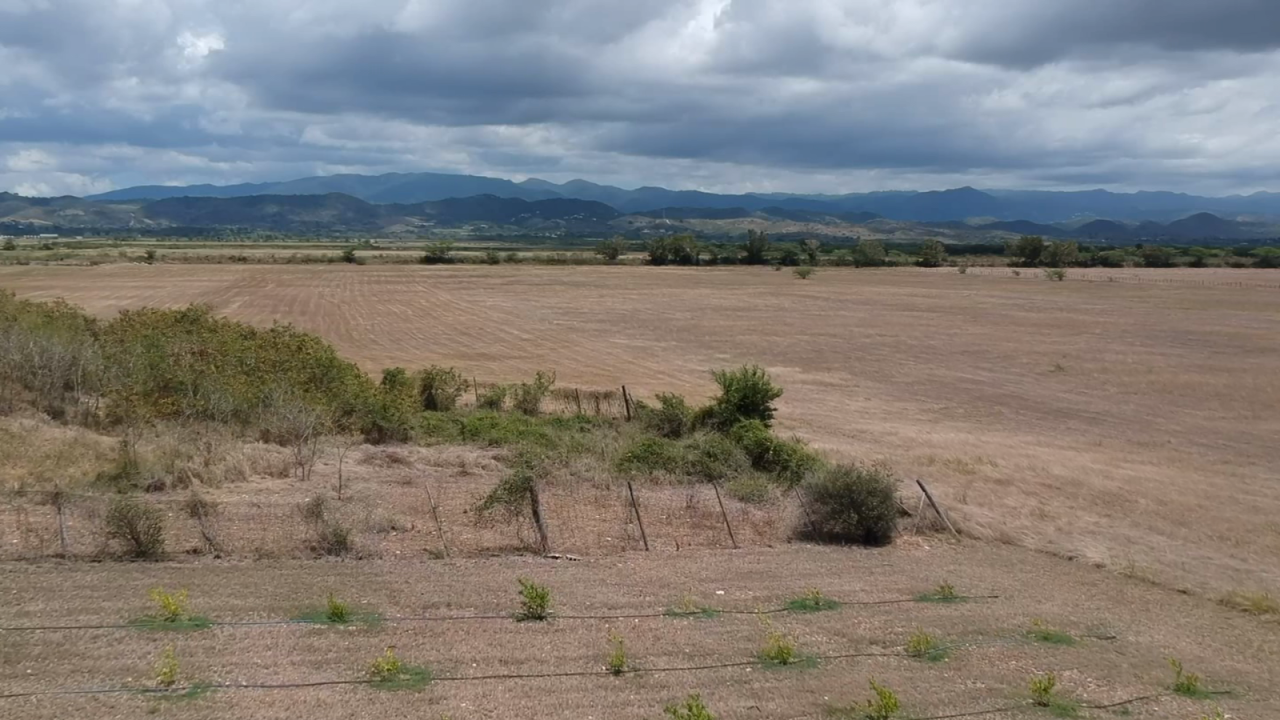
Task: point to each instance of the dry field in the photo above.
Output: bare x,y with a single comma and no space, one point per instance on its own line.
1129,422
1146,624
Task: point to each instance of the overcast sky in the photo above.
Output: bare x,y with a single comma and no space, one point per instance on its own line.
722,95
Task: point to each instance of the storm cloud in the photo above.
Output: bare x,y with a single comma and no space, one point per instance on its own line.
725,95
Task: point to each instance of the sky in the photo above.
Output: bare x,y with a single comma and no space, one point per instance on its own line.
720,95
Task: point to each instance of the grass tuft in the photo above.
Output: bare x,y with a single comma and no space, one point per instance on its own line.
811,602
691,709
944,593
1253,603
1187,684
617,662
688,607
171,613
923,646
1041,632
387,672
338,612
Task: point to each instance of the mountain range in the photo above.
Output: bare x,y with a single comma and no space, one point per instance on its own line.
342,214
963,204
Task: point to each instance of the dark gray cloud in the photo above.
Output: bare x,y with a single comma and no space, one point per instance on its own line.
805,95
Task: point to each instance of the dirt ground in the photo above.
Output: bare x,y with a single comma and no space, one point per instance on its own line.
1149,624
1127,418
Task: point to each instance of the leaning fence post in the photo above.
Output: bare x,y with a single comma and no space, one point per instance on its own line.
59,502
577,395
809,516
535,503
929,496
724,515
475,387
626,401
635,506
436,514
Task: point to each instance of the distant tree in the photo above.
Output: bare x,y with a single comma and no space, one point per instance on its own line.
811,247
1200,256
9,244
349,256
756,250
612,249
674,250
1267,257
439,253
789,255
1060,254
1111,258
1027,250
869,253
932,254
1157,256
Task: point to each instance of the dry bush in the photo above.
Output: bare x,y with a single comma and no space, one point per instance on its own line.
36,453
328,534
137,526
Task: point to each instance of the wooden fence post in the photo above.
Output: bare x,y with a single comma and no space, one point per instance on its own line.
436,514
805,506
725,515
577,395
475,387
626,401
59,503
929,496
631,491
535,503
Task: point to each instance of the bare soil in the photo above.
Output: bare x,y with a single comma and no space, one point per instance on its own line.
1126,417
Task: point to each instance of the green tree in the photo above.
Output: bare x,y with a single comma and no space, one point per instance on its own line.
1027,249
439,253
811,247
789,255
1060,254
1267,257
756,250
9,244
932,254
869,253
612,249
1157,256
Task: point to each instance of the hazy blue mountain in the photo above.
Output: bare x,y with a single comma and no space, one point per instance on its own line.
964,203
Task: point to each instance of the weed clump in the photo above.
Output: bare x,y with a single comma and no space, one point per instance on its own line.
137,526
495,398
811,602
884,706
172,612
803,273
689,607
1044,689
1187,684
923,646
387,672
944,593
535,602
527,397
788,461
617,661
167,669
691,709
1041,632
752,489
851,504
1253,603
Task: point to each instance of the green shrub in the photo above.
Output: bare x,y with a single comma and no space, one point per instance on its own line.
803,273
811,602
746,393
1043,689
851,504
439,253
492,257
649,454
535,602
512,497
612,249
944,593
393,409
932,254
691,709
387,672
137,526
924,646
1058,274
714,457
167,669
788,461
495,398
336,612
778,649
527,397
672,418
440,388
1185,683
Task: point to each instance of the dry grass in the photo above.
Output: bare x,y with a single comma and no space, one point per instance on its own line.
1153,448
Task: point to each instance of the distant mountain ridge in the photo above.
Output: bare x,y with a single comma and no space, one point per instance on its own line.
965,203
339,213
